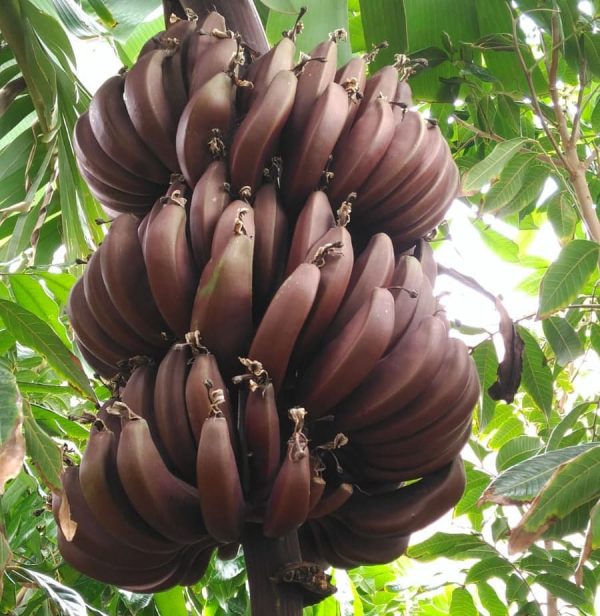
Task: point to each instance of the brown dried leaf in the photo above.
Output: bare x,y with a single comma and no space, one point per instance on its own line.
12,451
511,367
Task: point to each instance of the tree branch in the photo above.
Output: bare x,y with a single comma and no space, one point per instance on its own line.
532,90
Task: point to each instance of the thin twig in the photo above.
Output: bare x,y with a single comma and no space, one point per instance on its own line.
532,90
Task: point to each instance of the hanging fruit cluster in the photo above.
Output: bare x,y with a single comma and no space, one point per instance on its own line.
276,364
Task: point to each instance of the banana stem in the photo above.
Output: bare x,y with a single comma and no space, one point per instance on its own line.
240,15
265,558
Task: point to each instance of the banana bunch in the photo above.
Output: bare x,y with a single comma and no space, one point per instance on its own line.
275,365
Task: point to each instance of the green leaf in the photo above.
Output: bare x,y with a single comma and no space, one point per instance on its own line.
562,217
476,483
384,20
34,333
12,447
527,197
490,600
517,450
130,49
429,23
171,602
320,20
537,376
457,546
522,482
31,296
284,6
55,424
567,275
462,603
43,451
567,424
488,567
66,600
561,588
491,166
563,339
572,484
59,285
486,362
594,529
509,183
504,247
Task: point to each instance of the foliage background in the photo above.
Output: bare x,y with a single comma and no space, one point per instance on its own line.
515,89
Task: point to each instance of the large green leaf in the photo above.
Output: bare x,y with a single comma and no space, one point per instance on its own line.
457,546
567,424
571,484
320,20
431,23
34,333
462,603
516,450
171,602
562,216
384,20
509,183
537,376
491,166
567,275
522,482
12,445
488,567
561,588
486,362
490,600
563,339
31,296
67,601
45,454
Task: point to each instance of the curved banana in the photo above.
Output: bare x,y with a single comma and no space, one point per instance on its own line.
171,415
216,59
371,134
287,507
171,269
219,486
168,504
334,256
373,268
341,365
203,376
446,387
148,106
409,145
105,496
270,246
318,72
89,331
261,72
407,509
332,501
124,274
117,135
306,158
315,219
201,41
276,336
257,138
105,313
237,213
222,310
261,433
394,381
92,157
209,199
204,126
